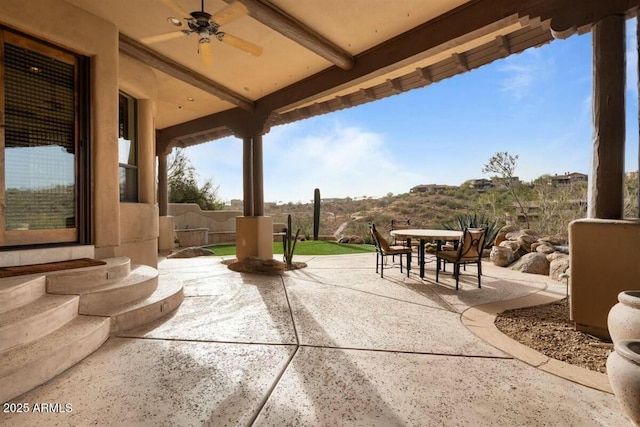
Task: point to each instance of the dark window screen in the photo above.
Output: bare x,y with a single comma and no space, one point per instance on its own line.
40,141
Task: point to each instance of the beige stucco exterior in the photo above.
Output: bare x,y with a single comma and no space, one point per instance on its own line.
138,235
117,229
254,237
603,263
88,35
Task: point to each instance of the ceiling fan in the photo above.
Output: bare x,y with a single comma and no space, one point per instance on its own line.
207,26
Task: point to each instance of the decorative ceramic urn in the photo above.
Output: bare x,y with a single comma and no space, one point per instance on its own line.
624,317
623,370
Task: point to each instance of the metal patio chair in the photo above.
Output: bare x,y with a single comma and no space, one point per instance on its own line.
383,249
469,251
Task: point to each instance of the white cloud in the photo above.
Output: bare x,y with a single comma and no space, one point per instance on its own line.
340,160
522,72
343,161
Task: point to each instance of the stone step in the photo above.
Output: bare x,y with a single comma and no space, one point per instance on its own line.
30,365
44,255
166,298
18,291
31,321
103,299
78,280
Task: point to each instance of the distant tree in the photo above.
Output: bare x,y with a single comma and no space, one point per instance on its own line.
558,206
183,184
631,195
504,165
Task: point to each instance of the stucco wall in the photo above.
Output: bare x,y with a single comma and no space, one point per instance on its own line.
139,221
604,262
139,233
189,215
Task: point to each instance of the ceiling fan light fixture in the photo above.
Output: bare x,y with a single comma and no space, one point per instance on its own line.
175,21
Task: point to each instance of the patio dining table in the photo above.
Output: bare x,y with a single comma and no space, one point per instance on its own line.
425,234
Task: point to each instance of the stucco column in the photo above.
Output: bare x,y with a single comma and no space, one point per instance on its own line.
146,153
606,180
163,185
247,175
254,231
258,181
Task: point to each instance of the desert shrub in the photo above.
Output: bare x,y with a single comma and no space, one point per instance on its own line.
474,221
304,222
453,204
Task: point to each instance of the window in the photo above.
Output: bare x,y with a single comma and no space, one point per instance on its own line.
128,148
44,143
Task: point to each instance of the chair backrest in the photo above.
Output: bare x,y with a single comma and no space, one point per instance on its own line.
381,244
400,225
471,243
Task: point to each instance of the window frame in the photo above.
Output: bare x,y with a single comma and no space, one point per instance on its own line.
132,103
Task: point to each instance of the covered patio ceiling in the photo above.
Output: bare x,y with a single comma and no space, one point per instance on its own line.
322,56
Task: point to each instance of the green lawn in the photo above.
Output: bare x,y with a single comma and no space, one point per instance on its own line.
307,247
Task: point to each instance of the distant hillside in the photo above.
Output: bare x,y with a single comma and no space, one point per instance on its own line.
422,210
549,208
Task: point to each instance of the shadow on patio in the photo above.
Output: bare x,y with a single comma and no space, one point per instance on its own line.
331,344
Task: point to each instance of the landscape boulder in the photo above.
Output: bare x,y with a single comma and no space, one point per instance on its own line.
543,248
553,240
355,240
515,247
191,252
534,263
525,237
558,265
502,233
501,256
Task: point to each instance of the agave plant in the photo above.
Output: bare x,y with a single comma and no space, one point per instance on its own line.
474,221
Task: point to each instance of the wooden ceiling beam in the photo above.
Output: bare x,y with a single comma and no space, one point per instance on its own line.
474,17
279,21
569,22
503,45
425,75
142,53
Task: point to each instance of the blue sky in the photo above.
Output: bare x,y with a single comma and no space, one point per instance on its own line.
536,104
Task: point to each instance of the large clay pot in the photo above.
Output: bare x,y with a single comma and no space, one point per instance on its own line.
624,318
623,370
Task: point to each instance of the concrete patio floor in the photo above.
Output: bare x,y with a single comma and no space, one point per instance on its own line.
332,344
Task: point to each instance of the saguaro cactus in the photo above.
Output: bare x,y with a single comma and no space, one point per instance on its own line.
316,213
289,242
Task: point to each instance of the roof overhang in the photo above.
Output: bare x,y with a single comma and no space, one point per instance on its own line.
320,57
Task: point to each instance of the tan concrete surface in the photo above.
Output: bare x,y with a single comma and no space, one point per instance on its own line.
332,344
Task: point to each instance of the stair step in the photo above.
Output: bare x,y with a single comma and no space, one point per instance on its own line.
103,299
36,319
78,280
18,291
30,365
166,298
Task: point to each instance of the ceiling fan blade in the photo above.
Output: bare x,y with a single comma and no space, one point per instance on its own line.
206,54
162,37
171,4
242,44
230,13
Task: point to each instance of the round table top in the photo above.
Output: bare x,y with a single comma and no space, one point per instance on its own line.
425,233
